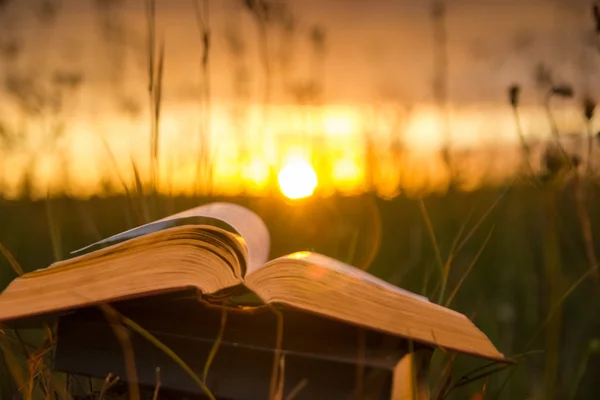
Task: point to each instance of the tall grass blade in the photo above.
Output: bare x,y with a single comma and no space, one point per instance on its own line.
359,390
215,348
374,233
458,236
482,219
580,372
113,161
158,383
139,186
586,225
590,149
469,268
88,222
445,379
297,389
525,149
277,372
17,372
157,110
550,315
487,370
427,276
54,230
116,323
352,245
436,248
155,75
558,305
413,371
109,382
554,284
128,195
278,394
204,168
165,349
11,260
150,19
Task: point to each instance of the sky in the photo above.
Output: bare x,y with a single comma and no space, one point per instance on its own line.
374,60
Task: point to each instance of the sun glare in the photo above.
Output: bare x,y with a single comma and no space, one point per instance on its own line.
297,179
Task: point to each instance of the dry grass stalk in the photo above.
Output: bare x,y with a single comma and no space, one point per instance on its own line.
297,389
359,389
204,167
277,372
122,334
469,268
109,382
166,350
11,260
158,383
216,344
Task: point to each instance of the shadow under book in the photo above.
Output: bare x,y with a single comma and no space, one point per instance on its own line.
322,358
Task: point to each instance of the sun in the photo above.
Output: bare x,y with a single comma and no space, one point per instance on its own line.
297,179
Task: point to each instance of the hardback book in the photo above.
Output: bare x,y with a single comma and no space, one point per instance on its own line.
316,357
220,253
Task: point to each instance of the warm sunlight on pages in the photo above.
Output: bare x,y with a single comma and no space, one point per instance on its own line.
221,251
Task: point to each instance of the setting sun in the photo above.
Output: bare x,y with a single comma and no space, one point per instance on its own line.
297,179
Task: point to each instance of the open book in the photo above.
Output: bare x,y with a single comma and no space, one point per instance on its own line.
222,250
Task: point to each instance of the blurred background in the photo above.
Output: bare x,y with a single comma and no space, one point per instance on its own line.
447,146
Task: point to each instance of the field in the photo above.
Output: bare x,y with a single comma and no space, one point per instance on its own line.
517,254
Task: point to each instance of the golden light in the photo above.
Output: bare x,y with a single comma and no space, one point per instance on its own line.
339,123
346,172
256,173
425,130
297,179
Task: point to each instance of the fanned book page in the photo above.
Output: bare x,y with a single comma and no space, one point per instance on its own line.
232,216
221,249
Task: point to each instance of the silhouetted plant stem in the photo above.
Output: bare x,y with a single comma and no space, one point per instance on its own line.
553,282
554,127
579,188
525,150
440,86
123,336
155,77
158,384
150,14
276,372
586,226
204,166
590,158
589,351
590,149
264,56
261,11
444,269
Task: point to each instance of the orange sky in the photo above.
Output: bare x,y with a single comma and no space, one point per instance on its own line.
378,62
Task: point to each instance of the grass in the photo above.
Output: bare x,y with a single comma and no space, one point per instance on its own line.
122,322
477,268
457,246
155,79
204,168
216,345
11,260
120,330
